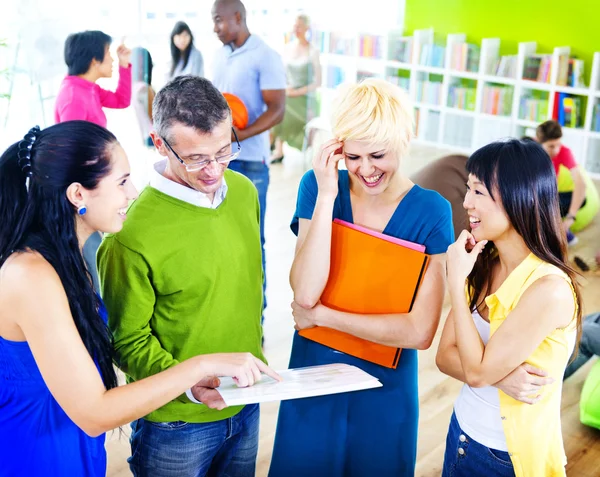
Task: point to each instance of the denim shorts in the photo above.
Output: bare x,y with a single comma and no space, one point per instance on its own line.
465,457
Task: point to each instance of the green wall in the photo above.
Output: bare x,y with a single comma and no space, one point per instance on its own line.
551,23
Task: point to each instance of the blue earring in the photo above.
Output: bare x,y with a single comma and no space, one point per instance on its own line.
82,210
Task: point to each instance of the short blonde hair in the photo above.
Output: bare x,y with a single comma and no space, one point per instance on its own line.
374,111
304,18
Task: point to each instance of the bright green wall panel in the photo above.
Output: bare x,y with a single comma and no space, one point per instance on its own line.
551,23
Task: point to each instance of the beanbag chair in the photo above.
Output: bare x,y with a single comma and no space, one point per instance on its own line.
589,405
239,112
592,205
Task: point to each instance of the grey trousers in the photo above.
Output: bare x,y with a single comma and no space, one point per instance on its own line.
589,345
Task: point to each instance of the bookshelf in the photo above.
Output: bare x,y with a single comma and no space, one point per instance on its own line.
466,95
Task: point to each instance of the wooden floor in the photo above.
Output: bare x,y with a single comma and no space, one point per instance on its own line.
437,392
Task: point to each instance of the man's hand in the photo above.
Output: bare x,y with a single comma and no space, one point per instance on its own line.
205,392
525,383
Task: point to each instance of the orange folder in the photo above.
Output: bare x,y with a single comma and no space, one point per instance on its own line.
368,275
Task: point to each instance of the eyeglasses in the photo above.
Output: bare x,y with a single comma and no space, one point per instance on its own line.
201,164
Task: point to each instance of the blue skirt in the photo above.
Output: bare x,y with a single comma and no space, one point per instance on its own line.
356,434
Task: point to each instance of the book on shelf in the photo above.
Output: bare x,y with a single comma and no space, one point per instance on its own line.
361,75
596,118
537,68
506,66
432,55
335,76
570,72
497,100
400,49
533,109
568,110
341,45
370,46
465,57
429,92
461,97
321,41
400,81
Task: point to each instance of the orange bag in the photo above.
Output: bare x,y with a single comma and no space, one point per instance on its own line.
368,275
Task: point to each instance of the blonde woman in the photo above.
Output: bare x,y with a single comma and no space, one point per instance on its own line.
303,73
370,432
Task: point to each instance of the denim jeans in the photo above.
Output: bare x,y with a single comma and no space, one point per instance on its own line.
466,458
225,448
589,345
258,173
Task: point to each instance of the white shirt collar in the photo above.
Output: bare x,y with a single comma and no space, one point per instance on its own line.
181,192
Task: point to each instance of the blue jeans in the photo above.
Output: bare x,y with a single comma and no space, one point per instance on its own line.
225,448
466,458
258,173
589,344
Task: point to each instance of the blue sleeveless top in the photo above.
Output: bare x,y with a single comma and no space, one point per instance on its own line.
37,438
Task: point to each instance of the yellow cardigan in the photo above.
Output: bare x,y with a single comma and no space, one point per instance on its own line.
533,432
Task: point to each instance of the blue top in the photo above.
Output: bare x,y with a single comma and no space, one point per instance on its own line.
37,438
371,432
422,217
246,72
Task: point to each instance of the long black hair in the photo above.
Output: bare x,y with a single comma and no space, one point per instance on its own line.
522,175
176,54
43,220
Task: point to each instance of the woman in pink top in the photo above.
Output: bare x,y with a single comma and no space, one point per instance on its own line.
88,57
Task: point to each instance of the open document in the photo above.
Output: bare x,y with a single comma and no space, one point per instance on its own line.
299,383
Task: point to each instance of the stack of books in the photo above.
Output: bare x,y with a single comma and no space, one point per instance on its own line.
341,45
465,57
461,97
497,100
401,49
533,109
429,92
537,68
567,110
432,55
570,72
370,46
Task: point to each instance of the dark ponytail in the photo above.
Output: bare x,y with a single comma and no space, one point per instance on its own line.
42,219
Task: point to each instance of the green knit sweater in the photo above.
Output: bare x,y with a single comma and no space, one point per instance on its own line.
180,280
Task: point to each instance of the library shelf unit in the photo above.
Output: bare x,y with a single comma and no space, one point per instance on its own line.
466,95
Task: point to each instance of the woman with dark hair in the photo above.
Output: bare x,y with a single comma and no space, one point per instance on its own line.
143,92
186,59
515,305
59,390
88,58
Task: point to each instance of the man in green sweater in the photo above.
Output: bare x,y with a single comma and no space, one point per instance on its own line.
184,277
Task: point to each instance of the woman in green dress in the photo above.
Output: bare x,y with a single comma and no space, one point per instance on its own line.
303,72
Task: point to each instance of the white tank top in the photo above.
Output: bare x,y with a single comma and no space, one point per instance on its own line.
478,409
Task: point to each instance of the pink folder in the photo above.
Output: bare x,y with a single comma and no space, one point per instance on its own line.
404,243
